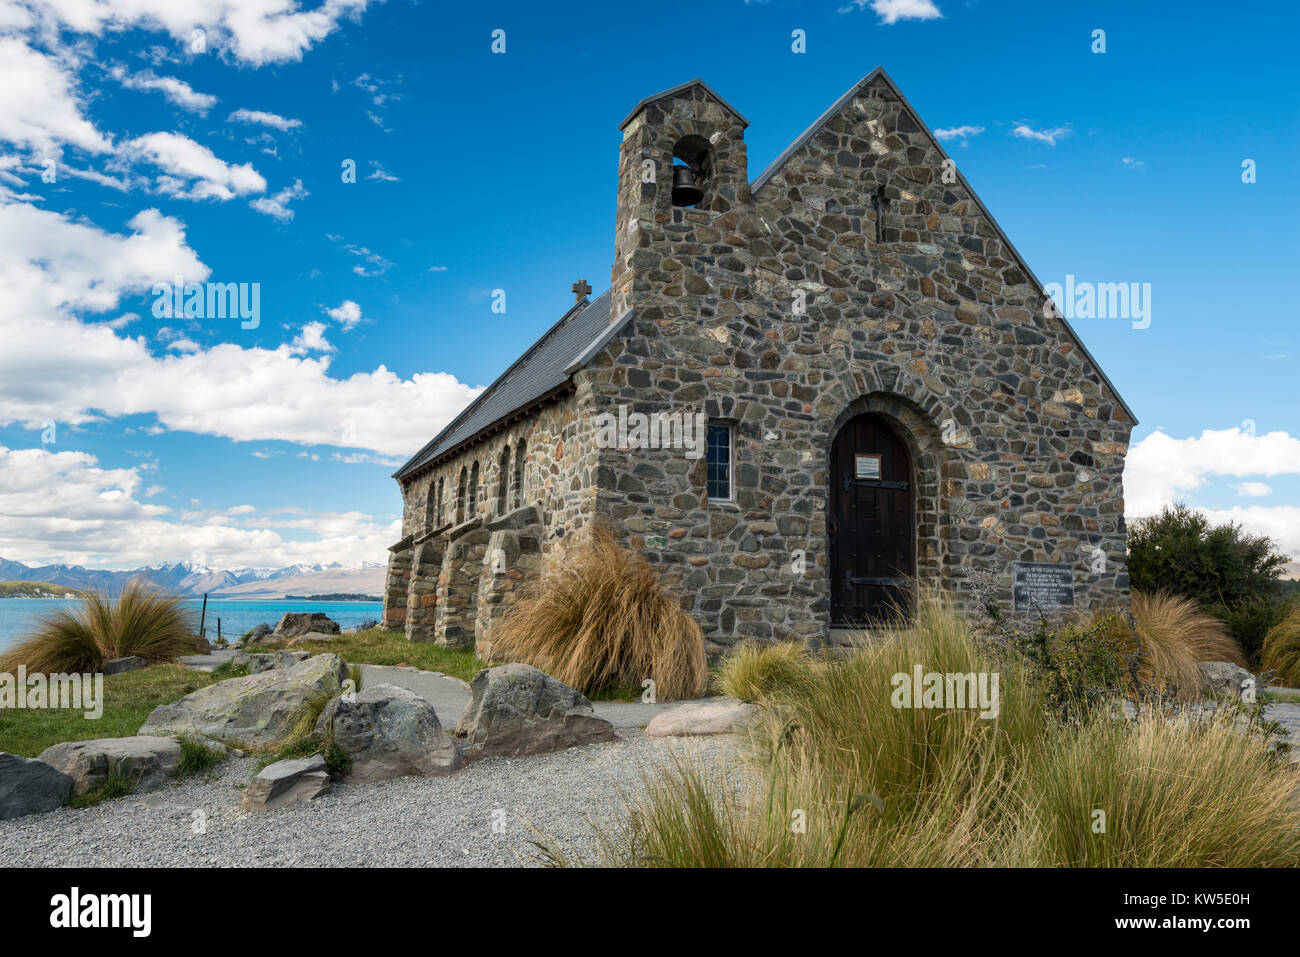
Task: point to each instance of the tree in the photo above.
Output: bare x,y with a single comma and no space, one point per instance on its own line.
1233,574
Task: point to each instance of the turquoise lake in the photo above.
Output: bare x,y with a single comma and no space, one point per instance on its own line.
19,615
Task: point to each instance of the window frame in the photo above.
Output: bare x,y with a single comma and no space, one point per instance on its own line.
730,427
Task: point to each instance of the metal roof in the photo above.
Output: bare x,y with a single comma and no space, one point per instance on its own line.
536,375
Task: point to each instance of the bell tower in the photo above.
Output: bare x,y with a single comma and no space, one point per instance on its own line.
681,165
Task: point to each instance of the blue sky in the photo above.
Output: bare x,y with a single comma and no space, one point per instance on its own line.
475,171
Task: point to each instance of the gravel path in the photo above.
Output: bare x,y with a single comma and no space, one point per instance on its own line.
444,821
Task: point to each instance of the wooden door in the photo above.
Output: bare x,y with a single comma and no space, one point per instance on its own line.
872,527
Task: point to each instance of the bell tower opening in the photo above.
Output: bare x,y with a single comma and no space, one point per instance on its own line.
692,170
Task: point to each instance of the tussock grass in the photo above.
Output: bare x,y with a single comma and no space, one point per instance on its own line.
142,621
1281,650
196,757
838,776
602,618
1172,635
1175,793
753,669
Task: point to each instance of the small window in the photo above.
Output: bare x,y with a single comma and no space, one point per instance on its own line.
473,491
719,463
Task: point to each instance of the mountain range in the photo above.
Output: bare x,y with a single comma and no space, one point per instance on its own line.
192,580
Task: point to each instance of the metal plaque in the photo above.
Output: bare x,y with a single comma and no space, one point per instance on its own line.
1042,586
866,465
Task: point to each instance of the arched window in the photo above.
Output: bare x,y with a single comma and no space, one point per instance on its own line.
517,480
433,510
441,484
460,497
473,492
503,478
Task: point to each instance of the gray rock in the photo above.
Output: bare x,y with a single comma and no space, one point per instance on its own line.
724,716
388,732
147,760
30,786
255,710
1224,679
257,663
129,663
286,782
517,709
295,623
257,634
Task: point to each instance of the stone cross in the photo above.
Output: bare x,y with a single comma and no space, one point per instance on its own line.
580,289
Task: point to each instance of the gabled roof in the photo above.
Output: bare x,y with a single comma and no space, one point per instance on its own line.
840,104
546,368
681,89
540,373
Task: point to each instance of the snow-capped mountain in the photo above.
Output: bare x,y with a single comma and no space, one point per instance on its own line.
196,580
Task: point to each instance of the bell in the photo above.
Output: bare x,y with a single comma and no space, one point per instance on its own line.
685,192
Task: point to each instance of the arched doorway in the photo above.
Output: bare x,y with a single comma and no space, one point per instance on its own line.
872,522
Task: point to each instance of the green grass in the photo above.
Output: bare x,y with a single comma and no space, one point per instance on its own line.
128,700
378,646
197,757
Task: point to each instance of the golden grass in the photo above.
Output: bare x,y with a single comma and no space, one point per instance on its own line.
142,621
1281,649
753,669
1173,634
602,618
838,776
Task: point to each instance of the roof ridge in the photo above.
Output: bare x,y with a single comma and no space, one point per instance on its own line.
646,101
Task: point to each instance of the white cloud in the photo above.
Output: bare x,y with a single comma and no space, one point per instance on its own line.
277,206
56,367
382,174
192,171
891,11
64,507
1132,163
347,314
1160,469
40,106
254,32
1279,522
959,132
1253,489
176,91
1026,132
283,124
311,339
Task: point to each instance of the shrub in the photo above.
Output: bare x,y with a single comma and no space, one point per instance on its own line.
602,618
141,621
754,669
1234,575
1281,652
1165,638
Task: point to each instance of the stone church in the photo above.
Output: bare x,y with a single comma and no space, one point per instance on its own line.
804,395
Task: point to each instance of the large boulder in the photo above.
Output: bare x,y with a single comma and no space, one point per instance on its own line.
295,623
253,711
286,782
516,709
724,716
146,760
257,663
388,732
30,786
1223,679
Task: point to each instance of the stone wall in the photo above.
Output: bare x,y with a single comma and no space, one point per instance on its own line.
1017,444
